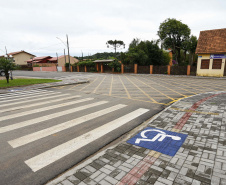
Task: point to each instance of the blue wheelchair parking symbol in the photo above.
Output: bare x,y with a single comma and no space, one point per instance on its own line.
162,141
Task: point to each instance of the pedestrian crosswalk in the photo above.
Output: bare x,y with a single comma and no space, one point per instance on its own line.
28,112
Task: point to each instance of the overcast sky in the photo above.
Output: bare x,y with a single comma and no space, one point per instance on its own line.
33,25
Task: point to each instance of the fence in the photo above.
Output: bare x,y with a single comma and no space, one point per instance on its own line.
193,70
128,68
159,69
107,68
173,70
25,68
178,70
53,68
143,69
45,64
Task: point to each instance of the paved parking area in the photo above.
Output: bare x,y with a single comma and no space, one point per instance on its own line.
148,88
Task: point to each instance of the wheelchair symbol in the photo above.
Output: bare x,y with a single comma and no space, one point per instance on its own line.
160,136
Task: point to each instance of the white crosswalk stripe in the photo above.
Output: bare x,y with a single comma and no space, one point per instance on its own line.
24,93
33,100
25,113
40,161
36,104
54,114
48,117
37,94
60,127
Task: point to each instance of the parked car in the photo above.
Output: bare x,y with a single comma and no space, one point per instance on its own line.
2,73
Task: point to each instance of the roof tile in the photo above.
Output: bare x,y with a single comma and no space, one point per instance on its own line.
212,42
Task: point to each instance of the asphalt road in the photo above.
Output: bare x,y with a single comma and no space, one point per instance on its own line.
39,130
45,132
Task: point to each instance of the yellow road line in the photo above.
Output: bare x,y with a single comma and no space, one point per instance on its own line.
139,100
156,90
110,91
99,85
61,87
177,86
89,84
169,89
74,86
191,85
142,91
125,88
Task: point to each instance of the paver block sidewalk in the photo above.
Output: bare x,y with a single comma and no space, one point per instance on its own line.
200,160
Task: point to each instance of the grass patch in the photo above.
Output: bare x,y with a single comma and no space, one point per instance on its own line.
24,82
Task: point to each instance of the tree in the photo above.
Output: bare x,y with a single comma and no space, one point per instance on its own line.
145,53
173,34
134,43
7,65
137,56
191,48
115,44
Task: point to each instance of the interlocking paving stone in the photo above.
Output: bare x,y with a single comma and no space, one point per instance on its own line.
200,160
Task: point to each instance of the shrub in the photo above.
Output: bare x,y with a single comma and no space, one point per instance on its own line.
86,63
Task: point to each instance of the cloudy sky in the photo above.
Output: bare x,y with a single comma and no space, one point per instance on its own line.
34,25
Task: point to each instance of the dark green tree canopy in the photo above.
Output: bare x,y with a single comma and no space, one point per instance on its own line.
174,34
7,65
115,44
145,53
134,43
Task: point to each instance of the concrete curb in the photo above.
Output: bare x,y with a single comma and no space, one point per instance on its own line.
42,86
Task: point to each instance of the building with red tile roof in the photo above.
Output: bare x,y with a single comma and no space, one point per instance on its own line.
48,59
211,50
20,57
64,59
43,59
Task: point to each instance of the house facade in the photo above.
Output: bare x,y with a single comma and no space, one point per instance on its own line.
64,59
20,57
211,50
39,60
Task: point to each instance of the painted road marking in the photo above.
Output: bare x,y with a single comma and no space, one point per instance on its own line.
35,104
154,101
155,89
25,92
12,95
48,117
159,140
25,113
44,159
60,127
160,136
99,85
127,92
20,99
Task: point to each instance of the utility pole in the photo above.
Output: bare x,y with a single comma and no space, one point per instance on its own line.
5,50
57,62
65,56
68,53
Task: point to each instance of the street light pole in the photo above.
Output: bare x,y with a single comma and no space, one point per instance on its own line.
57,62
68,53
67,50
65,56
